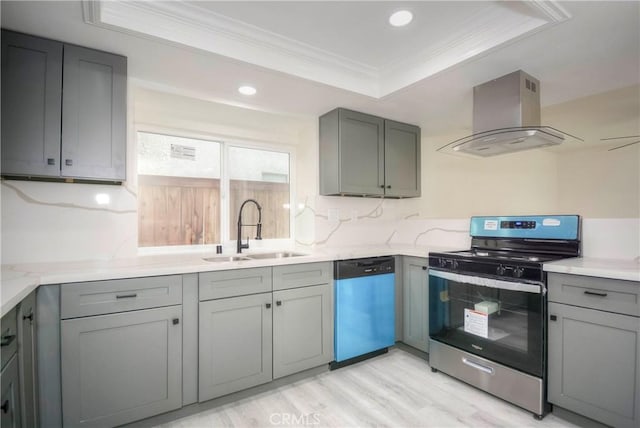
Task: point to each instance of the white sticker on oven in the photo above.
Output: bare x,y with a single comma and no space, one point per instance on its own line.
491,225
551,222
476,323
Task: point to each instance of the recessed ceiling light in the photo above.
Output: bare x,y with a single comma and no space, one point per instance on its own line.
400,18
247,90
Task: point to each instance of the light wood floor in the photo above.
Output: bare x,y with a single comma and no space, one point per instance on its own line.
397,389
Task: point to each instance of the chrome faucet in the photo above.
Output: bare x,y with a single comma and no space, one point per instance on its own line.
258,225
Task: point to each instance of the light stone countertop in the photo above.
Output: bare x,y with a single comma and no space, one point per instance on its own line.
20,280
626,269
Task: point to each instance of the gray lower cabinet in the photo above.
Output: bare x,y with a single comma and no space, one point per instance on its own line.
235,344
416,302
366,155
594,354
121,367
302,329
64,110
10,395
27,360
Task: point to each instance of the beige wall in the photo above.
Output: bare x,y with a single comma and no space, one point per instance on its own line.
598,183
459,187
584,179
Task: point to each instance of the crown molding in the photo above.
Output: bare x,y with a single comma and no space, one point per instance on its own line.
551,9
189,24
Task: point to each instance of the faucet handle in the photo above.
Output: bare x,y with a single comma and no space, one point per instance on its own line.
259,231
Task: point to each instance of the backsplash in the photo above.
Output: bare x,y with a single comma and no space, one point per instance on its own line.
56,222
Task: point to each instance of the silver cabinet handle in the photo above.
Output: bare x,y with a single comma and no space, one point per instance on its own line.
127,296
477,366
68,162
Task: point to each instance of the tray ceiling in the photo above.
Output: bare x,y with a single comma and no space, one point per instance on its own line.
348,45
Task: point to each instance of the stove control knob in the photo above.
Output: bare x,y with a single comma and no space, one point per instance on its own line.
501,270
442,262
518,271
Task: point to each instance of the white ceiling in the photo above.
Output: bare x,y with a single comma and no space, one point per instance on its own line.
306,58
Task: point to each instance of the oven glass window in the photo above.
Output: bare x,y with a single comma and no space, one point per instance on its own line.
505,326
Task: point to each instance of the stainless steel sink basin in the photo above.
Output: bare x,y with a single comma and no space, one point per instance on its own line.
223,259
275,255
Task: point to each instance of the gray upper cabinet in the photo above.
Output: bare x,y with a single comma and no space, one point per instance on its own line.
93,114
365,155
401,159
31,108
416,302
64,110
594,348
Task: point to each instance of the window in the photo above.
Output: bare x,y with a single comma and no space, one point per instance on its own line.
187,191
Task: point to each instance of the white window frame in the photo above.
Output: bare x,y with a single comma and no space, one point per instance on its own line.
228,242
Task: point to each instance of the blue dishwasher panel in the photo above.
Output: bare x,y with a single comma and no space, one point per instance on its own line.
364,315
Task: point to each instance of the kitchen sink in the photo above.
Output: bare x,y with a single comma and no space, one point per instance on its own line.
222,259
276,255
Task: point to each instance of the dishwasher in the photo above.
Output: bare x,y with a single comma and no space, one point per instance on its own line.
364,309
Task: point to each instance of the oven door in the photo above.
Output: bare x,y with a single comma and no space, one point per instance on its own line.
502,321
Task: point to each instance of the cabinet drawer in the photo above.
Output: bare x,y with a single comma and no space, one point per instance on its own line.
302,275
230,283
603,294
103,297
9,336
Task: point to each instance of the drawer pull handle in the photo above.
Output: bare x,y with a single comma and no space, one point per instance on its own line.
278,302
477,366
127,296
5,406
175,321
594,293
6,340
28,317
424,268
268,305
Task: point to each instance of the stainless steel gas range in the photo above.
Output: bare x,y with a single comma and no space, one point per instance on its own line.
487,305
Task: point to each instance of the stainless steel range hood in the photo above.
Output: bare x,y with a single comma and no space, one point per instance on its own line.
506,118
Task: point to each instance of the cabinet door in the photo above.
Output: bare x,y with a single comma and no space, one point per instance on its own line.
361,153
93,114
235,344
10,396
302,329
27,360
31,105
402,159
594,364
416,302
121,367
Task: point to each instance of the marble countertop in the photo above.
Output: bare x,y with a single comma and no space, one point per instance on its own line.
20,280
604,268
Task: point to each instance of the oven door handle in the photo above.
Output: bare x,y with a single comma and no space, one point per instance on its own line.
477,366
489,282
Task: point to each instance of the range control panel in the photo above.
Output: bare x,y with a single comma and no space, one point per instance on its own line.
566,227
517,225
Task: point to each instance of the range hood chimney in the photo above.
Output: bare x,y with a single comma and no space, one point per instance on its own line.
506,118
